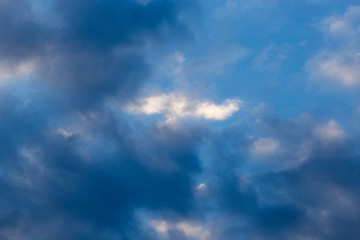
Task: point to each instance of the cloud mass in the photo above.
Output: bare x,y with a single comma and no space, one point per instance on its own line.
179,120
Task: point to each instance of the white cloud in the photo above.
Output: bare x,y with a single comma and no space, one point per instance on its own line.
344,27
341,67
330,132
264,146
160,226
175,106
189,229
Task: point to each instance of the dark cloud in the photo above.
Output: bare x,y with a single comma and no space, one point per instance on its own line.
89,50
316,199
48,182
21,37
88,183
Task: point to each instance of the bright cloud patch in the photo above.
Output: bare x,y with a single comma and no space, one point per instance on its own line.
330,133
339,67
10,72
345,26
175,106
189,229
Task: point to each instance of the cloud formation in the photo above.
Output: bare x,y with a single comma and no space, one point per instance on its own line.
341,65
86,50
276,198
78,160
188,229
66,160
338,67
175,106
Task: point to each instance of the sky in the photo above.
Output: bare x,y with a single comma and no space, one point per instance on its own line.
179,120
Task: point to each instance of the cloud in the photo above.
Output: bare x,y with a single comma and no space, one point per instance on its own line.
60,179
10,72
274,199
330,132
339,65
264,146
175,106
189,229
90,49
342,68
345,27
67,162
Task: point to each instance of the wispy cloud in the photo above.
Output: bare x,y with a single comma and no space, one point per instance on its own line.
339,65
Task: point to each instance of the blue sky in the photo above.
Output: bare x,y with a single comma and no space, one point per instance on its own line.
181,120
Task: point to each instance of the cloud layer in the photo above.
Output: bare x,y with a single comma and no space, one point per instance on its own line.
81,157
